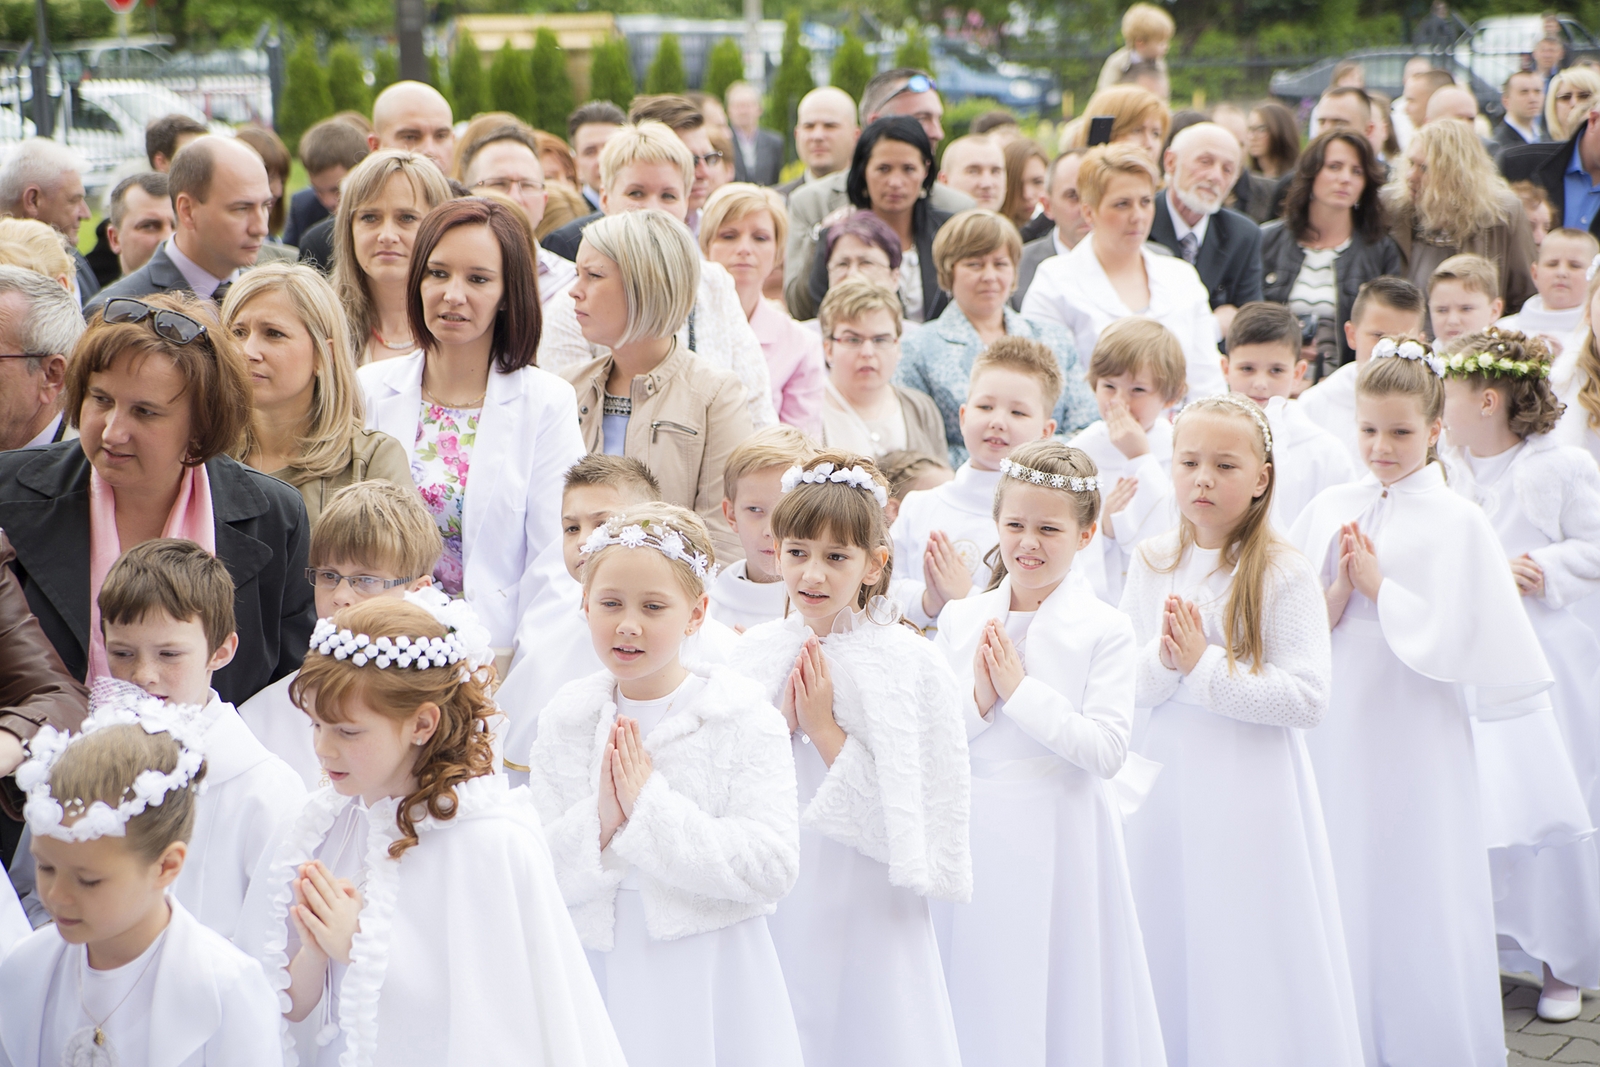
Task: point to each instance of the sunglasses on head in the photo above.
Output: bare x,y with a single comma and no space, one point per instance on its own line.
174,326
917,83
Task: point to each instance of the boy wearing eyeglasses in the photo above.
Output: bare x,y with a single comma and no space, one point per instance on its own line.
374,539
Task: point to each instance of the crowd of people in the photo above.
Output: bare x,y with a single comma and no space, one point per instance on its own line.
584,600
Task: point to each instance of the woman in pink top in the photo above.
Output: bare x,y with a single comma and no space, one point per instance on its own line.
743,227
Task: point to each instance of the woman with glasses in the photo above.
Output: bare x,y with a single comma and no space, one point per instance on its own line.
865,412
307,422
159,392
505,161
1567,101
1272,140
381,204
976,255
861,246
489,434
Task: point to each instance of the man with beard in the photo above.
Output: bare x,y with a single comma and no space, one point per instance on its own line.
1224,246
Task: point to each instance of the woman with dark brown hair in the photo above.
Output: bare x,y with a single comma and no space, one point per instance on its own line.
1272,139
472,398
1026,168
1333,238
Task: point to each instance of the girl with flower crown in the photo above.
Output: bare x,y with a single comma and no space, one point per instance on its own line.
411,916
1540,773
880,754
668,795
1046,965
1228,855
124,975
1411,571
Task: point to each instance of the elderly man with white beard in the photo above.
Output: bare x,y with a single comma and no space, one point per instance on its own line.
1223,246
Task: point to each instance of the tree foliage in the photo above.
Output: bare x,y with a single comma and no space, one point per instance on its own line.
306,99
436,79
346,81
64,20
724,67
611,73
792,81
852,67
510,84
466,77
666,72
552,88
914,53
385,70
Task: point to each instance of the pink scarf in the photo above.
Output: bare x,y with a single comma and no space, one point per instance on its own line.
191,519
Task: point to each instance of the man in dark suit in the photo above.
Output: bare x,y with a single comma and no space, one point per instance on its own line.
41,180
221,198
757,153
1202,165
1522,96
1065,212
329,150
1568,172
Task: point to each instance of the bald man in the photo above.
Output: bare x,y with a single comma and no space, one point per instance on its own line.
1223,246
976,166
1452,102
221,199
825,132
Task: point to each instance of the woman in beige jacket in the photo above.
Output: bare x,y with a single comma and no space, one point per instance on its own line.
651,399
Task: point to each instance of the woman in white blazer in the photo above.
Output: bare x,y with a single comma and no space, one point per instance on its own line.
490,435
1115,274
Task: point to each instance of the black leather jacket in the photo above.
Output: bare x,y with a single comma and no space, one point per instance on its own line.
1359,263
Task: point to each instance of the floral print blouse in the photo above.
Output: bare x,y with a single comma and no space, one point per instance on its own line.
445,437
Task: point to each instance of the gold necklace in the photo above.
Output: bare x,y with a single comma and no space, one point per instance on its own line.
431,397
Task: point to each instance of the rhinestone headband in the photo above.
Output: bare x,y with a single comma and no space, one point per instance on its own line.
823,473
664,539
1070,483
1244,405
114,704
1389,348
467,640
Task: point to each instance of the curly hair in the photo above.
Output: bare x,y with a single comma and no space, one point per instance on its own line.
1052,456
1531,404
1462,192
459,748
1366,213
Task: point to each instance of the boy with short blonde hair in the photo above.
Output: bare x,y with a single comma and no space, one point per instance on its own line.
750,591
1561,273
1463,297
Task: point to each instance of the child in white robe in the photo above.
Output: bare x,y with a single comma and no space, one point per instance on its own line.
1575,376
249,792
125,975
1229,857
1544,502
1560,270
1046,965
410,916
749,591
884,787
668,795
941,536
1411,571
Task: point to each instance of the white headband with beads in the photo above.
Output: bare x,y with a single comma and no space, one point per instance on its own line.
1068,482
823,473
1248,407
1389,348
668,542
466,640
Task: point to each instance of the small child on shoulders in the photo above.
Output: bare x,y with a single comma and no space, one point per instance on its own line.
1263,363
1463,297
910,472
750,591
942,536
1555,313
374,539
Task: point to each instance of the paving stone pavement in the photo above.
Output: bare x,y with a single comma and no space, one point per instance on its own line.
1530,1039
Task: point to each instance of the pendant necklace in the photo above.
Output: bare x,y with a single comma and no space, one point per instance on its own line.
89,1046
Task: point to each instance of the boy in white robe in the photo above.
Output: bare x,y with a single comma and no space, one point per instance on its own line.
1463,298
750,591
1561,273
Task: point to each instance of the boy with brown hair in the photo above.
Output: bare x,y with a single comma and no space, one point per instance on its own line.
750,591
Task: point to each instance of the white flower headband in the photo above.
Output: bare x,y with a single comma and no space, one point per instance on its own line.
1055,481
668,542
1389,348
114,704
823,473
466,641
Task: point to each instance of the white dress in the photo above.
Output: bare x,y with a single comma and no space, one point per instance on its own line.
1539,772
673,910
1567,378
1229,857
1306,459
1046,965
1564,327
1331,404
1152,511
465,953
882,830
1396,764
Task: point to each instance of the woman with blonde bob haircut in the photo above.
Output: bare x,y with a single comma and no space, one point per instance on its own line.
32,245
381,204
649,398
1567,100
1445,198
307,423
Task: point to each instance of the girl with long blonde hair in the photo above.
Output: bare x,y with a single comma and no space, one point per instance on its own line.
1575,376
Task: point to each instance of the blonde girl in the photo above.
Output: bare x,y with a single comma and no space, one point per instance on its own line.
1228,854
417,869
1411,571
1575,378
1046,671
124,975
881,760
668,794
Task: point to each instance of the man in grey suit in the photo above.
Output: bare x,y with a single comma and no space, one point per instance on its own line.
902,91
825,135
1062,205
757,153
43,180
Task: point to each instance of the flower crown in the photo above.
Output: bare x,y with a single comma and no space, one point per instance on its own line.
466,641
113,704
1495,362
823,473
668,542
1389,348
1055,481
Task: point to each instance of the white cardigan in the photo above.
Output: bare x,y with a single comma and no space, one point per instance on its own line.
715,833
1073,290
527,438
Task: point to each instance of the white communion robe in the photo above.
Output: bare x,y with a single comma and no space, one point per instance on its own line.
193,1001
739,603
1396,764
881,831
284,729
1046,965
14,925
1230,860
1331,404
465,953
963,508
1152,511
1306,459
673,910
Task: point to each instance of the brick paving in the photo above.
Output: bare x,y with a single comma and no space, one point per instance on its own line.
1530,1039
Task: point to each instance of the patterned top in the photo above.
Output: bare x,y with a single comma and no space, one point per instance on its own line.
1316,288
445,437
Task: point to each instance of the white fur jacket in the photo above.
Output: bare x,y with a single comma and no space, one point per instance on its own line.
900,790
714,836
